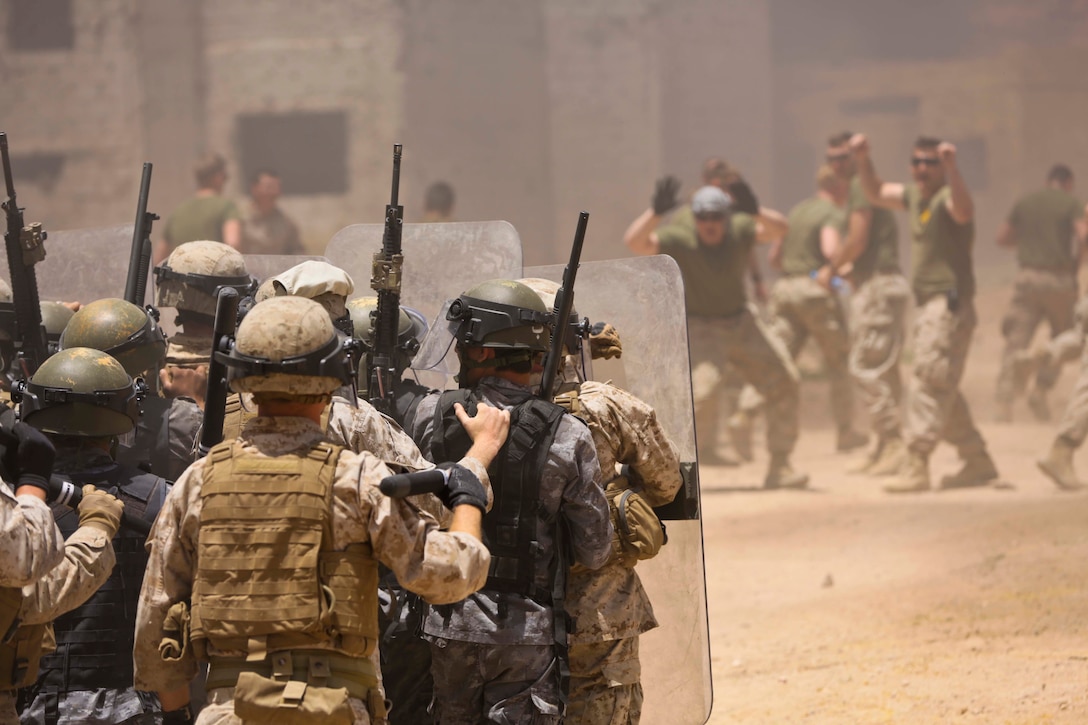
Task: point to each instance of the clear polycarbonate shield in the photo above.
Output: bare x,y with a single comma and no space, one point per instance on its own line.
84,265
263,266
643,297
440,260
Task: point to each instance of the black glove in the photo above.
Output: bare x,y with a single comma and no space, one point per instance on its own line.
463,489
33,459
744,199
665,195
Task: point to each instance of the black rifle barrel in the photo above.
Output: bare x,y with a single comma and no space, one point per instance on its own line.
385,281
564,304
139,260
69,494
215,401
24,249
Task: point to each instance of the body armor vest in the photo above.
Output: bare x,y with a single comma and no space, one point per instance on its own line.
94,641
510,527
267,579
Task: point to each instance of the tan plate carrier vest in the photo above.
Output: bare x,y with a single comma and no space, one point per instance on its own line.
21,653
267,580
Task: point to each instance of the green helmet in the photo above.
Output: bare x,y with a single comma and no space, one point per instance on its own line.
190,278
288,345
80,392
411,328
55,316
129,334
500,313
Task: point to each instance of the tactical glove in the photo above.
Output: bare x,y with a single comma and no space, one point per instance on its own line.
100,510
665,195
604,341
463,489
744,199
32,461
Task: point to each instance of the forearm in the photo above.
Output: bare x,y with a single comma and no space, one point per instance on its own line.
963,207
870,182
639,235
31,542
232,233
88,560
772,224
855,242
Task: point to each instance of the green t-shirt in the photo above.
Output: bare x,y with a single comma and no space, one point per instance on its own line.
200,218
713,276
882,249
941,248
1043,223
801,253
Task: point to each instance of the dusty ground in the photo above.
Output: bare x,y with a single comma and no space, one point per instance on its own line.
847,605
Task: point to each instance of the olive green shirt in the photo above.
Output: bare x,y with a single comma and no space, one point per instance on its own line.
801,254
941,248
881,253
713,276
198,219
1043,224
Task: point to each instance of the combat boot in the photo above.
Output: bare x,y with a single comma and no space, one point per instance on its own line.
893,455
848,439
977,470
865,462
1058,465
780,474
1038,403
740,434
914,476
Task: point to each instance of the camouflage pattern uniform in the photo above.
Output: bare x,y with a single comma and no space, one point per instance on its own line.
483,647
609,607
31,542
442,567
1074,424
878,316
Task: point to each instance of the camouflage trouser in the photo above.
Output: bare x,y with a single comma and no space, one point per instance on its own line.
604,683
123,707
743,342
800,309
1038,295
220,710
878,321
1074,425
510,684
936,409
405,656
1066,347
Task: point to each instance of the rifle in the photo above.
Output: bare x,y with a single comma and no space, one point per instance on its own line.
139,261
69,494
24,247
564,304
215,401
385,279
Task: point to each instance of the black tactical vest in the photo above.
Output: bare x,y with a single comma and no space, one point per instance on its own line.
94,641
510,527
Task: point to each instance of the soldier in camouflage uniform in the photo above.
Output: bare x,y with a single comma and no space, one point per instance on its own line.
942,224
189,281
167,430
83,400
1058,463
292,649
721,328
1048,228
869,256
494,655
609,607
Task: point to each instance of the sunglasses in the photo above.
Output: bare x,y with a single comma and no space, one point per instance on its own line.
709,217
832,158
924,161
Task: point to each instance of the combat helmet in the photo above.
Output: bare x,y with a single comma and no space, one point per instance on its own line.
576,329
288,346
324,283
190,278
55,316
501,314
127,333
80,392
411,328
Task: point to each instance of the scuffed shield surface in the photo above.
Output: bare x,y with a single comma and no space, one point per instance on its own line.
85,265
643,297
263,266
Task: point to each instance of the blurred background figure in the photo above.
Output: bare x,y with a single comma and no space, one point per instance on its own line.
266,229
438,203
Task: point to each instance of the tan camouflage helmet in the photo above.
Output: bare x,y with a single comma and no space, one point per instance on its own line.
191,276
288,345
115,326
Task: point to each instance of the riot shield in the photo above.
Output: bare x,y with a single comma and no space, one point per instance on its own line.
440,260
643,297
263,266
85,265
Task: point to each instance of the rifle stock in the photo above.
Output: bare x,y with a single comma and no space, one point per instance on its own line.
385,280
139,262
564,304
215,401
24,246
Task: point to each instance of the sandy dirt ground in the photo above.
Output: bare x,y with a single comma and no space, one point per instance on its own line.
844,604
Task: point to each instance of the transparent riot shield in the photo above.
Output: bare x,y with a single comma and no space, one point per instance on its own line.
643,297
440,260
263,266
85,265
